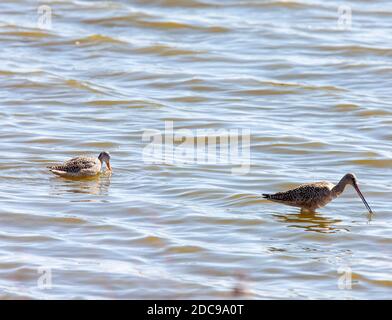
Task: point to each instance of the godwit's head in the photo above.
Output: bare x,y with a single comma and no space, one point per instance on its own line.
105,157
351,179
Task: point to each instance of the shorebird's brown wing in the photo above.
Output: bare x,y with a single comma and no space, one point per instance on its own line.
307,195
75,165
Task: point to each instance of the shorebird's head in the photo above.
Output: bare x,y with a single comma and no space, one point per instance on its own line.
351,179
105,157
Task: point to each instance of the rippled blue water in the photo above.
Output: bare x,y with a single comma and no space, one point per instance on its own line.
312,88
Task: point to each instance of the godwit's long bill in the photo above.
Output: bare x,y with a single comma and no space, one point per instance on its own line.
312,196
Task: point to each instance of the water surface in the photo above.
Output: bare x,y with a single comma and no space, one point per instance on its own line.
316,98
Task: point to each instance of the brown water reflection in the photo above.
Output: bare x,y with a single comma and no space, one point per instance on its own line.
311,221
98,185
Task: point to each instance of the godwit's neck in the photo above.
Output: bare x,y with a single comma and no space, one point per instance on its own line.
339,188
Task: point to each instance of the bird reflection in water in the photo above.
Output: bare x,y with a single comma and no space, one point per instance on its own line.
311,221
240,288
98,185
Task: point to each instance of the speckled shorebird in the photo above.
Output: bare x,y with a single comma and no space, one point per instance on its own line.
82,167
312,196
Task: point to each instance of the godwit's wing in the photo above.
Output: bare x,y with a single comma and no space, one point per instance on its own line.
77,167
308,196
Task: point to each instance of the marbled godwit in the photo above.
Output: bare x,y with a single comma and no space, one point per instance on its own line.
82,167
312,196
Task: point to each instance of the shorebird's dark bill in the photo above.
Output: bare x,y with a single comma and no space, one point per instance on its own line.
109,166
363,199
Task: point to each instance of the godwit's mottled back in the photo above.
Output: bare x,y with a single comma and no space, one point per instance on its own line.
316,195
81,167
